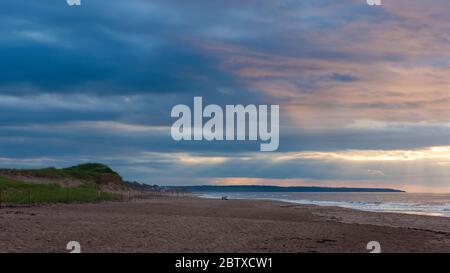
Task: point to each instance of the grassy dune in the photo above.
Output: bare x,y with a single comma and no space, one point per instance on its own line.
88,172
19,192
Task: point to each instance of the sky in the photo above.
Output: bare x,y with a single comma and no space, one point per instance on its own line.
364,91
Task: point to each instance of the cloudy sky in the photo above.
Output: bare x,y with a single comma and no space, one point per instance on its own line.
364,91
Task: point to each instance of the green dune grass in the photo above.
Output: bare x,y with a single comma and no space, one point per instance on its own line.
88,172
18,192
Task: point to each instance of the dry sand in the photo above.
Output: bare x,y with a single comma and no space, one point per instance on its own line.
185,224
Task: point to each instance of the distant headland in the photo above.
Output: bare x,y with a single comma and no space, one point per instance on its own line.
257,188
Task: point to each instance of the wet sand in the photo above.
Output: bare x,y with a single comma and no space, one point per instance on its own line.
185,224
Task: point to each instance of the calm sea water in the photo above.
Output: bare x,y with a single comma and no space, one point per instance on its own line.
411,203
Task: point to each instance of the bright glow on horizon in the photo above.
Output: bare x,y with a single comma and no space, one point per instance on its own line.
442,152
202,160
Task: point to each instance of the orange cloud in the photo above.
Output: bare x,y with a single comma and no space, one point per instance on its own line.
398,61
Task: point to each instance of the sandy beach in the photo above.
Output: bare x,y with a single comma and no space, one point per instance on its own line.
189,224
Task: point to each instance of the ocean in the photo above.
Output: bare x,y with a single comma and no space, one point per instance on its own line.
410,203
